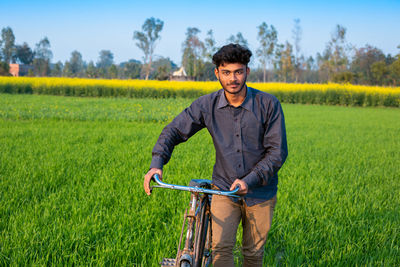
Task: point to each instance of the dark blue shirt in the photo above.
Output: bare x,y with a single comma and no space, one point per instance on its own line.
249,140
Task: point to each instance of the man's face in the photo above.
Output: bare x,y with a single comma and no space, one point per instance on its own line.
232,77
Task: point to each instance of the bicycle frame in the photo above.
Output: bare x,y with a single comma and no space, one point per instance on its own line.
198,230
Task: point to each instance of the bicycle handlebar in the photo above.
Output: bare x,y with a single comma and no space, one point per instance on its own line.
193,189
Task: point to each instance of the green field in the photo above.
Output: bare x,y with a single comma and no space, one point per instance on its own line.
71,175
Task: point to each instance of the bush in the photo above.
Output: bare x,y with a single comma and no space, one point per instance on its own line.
4,69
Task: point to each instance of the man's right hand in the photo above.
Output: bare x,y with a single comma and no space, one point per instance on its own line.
147,179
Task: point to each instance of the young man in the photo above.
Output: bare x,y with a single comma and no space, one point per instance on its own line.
248,131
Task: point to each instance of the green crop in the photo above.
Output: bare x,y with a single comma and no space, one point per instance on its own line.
71,178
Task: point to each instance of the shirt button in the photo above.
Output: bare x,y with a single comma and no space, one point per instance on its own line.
239,165
237,135
238,150
235,119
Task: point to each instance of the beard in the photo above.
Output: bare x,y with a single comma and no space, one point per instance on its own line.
226,86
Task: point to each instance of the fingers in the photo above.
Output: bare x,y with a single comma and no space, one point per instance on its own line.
233,185
243,188
147,179
146,184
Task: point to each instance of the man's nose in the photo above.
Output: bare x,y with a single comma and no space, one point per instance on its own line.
233,77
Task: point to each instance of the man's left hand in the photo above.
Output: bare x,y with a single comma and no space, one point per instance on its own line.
243,187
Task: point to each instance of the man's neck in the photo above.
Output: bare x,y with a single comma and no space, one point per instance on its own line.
236,99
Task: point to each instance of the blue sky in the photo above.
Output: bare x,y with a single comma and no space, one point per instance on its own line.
91,26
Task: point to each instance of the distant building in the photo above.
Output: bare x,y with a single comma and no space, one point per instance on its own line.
179,75
17,70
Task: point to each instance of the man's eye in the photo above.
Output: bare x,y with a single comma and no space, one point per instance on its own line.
226,73
239,72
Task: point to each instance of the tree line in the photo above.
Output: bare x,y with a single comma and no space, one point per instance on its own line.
276,62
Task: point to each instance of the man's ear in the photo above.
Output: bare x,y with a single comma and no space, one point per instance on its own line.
216,73
247,70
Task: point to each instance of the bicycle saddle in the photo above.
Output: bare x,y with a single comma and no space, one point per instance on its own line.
204,183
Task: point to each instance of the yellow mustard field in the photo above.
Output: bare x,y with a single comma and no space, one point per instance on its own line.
336,94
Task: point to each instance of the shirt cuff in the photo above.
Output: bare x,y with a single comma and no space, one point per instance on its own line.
157,162
251,180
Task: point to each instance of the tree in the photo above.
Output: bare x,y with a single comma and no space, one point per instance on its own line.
43,55
162,68
324,67
286,62
147,40
8,43
24,54
67,70
209,46
106,59
131,69
91,71
192,48
337,47
207,72
238,39
4,69
43,49
389,59
268,37
394,72
362,62
379,71
311,70
256,75
343,77
57,69
296,33
76,64
334,58
113,71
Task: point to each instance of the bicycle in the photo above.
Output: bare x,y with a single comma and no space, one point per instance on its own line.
196,251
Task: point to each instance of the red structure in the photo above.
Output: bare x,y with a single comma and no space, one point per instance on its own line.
17,70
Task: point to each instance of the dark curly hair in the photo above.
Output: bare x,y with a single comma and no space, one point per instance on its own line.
232,53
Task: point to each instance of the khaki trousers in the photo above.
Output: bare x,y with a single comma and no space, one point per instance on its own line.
256,222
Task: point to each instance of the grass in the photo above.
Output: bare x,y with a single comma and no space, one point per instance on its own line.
71,174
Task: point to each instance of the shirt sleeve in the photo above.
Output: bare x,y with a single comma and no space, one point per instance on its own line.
186,124
275,145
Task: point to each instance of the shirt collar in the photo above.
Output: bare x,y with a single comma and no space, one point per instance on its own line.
223,102
247,103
